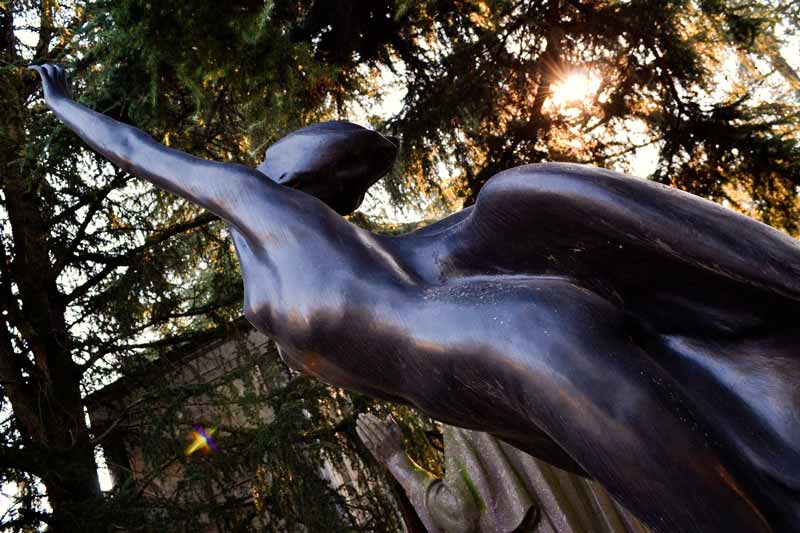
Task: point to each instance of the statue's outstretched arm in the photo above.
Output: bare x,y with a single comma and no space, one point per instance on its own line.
221,188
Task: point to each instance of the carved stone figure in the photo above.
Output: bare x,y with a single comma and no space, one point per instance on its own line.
611,326
492,487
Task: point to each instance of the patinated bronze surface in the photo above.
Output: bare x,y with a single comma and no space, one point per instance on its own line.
609,325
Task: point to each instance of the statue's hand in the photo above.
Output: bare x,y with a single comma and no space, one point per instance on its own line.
381,437
55,82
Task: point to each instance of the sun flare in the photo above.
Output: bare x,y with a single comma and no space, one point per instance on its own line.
575,89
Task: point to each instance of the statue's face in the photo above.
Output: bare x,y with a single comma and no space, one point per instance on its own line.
335,161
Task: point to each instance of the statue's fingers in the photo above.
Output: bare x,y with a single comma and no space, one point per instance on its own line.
361,434
365,419
68,82
381,430
366,437
375,420
365,424
40,71
369,429
362,422
52,74
376,425
60,76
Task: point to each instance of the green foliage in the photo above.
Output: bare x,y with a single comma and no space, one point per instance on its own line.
661,69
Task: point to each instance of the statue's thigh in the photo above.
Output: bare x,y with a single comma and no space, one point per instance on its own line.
624,420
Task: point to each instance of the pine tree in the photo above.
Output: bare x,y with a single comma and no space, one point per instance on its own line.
101,275
659,69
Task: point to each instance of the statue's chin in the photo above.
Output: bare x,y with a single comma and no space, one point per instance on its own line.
345,205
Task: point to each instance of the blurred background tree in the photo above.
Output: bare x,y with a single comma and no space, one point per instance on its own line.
101,274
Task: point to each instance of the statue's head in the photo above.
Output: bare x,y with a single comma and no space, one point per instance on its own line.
335,161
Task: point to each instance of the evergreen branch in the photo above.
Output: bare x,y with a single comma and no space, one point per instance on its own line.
27,460
630,149
26,518
113,262
113,425
193,312
170,341
80,233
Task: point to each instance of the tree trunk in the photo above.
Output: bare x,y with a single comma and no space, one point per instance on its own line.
40,380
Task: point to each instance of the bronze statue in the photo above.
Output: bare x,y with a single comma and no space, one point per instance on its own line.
611,326
491,487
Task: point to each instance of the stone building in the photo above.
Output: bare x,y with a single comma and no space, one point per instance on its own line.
124,411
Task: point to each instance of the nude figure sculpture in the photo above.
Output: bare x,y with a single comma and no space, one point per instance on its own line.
611,326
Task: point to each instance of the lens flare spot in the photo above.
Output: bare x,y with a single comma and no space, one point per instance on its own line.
201,440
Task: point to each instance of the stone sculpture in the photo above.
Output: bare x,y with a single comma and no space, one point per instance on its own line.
492,487
611,326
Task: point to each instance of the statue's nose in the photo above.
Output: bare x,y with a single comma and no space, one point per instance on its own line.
390,148
384,158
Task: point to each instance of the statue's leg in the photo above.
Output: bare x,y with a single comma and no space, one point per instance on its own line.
622,418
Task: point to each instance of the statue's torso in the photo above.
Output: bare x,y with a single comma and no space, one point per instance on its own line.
368,330
523,357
